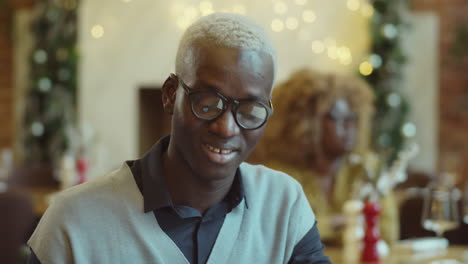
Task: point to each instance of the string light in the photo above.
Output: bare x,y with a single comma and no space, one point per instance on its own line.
318,46
37,129
291,23
277,25
97,31
344,55
375,60
389,31
185,15
393,100
365,68
40,56
353,5
309,16
44,84
384,140
408,130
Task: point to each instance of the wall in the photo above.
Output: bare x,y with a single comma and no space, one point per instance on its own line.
138,48
453,83
23,41
8,63
6,80
420,86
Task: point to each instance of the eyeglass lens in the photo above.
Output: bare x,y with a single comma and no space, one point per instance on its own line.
208,106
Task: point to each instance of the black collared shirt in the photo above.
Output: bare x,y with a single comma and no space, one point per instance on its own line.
194,233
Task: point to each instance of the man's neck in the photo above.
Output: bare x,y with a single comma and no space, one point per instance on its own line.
187,188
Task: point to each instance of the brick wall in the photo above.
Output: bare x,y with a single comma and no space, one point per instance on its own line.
453,80
7,115
6,80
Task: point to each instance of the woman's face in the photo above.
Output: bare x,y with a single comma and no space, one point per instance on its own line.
339,129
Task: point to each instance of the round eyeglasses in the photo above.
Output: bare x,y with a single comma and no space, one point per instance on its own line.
209,105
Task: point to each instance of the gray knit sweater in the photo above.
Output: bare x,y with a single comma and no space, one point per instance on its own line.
102,221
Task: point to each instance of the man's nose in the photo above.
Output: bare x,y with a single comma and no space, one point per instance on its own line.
225,125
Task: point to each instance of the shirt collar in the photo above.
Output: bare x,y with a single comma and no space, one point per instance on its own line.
149,174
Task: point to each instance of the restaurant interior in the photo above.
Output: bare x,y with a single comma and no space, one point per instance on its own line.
80,93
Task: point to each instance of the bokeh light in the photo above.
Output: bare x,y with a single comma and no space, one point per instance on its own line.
365,68
277,25
97,31
309,16
318,46
291,23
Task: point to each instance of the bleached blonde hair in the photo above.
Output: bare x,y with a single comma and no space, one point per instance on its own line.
223,30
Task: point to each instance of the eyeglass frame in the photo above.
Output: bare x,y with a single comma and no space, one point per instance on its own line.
226,103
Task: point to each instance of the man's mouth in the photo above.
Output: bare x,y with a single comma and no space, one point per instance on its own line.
220,155
218,150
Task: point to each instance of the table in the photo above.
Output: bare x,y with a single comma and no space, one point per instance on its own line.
454,254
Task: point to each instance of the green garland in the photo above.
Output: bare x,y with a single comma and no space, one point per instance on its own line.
387,59
51,99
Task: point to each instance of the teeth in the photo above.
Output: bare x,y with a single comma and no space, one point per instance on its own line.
217,150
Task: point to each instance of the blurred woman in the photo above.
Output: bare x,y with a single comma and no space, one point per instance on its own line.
319,135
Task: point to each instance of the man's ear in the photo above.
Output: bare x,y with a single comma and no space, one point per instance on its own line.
169,90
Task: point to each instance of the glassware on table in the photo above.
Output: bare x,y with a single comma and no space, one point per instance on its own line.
465,204
6,165
440,209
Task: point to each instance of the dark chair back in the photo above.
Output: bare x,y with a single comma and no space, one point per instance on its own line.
32,175
16,223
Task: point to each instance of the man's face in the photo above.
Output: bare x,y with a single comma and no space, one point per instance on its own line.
214,149
339,128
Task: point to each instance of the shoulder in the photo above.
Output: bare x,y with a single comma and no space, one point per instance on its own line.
273,194
265,185
85,203
260,175
96,189
78,213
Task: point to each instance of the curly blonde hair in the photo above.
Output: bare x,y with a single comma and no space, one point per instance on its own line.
310,94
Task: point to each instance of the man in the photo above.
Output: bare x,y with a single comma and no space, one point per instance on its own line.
191,199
